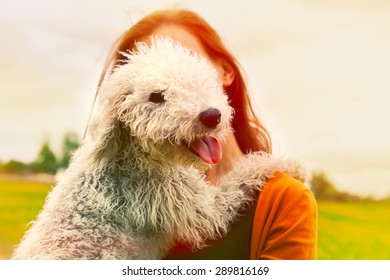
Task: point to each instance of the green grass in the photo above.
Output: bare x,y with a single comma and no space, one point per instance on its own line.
20,203
352,231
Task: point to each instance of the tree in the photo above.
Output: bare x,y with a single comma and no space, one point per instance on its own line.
14,166
46,161
321,187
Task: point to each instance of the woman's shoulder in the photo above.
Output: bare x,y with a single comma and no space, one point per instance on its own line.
284,185
280,179
283,192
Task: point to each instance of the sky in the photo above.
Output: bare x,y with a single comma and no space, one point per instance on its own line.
318,74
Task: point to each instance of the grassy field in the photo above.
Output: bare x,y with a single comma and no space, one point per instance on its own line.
20,203
354,231
351,231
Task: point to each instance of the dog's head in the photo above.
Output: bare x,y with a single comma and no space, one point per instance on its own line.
171,100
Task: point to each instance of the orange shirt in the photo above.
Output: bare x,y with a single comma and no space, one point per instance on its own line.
285,222
282,225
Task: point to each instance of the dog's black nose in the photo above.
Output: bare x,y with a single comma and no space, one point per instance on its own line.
210,118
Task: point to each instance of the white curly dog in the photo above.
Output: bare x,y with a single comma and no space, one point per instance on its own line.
136,184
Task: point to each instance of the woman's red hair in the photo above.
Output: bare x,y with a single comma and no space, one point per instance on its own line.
248,130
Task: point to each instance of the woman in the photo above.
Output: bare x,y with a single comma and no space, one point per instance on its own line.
283,222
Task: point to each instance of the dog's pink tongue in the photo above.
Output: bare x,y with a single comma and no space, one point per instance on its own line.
208,148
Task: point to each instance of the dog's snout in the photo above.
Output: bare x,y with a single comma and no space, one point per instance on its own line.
210,118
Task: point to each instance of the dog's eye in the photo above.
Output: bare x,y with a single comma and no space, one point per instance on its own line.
157,96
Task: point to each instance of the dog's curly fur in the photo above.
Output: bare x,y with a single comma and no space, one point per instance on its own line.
133,188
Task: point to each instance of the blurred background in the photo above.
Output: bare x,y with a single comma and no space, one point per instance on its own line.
318,74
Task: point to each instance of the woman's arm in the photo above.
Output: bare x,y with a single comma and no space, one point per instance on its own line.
285,223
